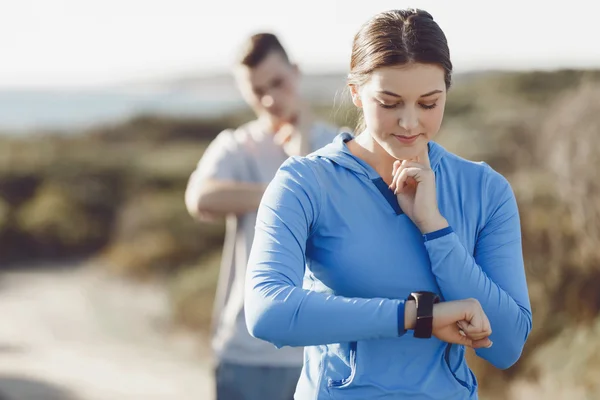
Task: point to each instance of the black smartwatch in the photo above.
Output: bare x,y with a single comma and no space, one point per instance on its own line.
424,302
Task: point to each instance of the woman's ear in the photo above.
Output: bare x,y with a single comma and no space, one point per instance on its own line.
355,96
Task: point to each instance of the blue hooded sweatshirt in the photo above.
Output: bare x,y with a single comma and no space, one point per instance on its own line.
334,258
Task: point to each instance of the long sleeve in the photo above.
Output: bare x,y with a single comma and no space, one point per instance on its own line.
495,276
277,308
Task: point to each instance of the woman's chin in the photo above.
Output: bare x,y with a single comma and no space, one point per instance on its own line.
404,153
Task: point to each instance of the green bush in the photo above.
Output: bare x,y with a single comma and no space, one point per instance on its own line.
55,222
154,234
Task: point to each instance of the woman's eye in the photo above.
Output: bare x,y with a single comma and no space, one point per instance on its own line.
428,106
423,106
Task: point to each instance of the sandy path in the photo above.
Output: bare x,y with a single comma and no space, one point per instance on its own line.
77,334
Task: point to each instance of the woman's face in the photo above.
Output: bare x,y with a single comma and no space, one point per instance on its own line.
403,107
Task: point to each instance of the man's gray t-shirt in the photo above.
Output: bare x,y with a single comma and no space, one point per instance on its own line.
247,154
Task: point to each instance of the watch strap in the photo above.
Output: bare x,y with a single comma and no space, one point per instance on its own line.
424,302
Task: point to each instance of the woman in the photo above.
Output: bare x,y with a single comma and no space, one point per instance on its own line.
350,236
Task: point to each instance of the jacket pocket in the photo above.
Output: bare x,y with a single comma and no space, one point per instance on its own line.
401,367
374,370
344,382
459,370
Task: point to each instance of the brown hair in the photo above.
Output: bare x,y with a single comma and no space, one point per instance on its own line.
398,37
257,47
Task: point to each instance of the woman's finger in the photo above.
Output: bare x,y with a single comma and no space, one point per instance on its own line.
476,335
399,180
404,175
423,158
397,165
395,168
415,164
462,339
483,343
476,329
462,325
469,331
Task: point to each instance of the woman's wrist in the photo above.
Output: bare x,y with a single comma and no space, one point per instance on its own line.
410,314
433,225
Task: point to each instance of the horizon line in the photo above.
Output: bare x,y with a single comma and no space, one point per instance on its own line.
172,78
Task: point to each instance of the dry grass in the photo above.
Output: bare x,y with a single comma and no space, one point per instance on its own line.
192,292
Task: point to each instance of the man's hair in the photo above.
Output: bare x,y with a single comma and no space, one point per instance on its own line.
258,47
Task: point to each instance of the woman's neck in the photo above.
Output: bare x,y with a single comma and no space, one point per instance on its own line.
367,149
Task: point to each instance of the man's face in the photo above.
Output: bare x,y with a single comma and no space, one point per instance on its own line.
271,88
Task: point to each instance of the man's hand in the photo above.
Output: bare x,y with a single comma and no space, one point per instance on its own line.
294,136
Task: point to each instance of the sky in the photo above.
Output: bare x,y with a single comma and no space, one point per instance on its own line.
91,43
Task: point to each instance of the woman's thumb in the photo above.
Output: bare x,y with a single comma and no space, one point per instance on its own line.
463,339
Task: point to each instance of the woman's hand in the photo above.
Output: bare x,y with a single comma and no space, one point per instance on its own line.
414,186
462,322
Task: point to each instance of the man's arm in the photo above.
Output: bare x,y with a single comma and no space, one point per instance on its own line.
210,198
213,190
216,187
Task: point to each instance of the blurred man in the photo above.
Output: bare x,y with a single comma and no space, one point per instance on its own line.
229,181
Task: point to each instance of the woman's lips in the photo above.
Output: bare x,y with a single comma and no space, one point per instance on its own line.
406,139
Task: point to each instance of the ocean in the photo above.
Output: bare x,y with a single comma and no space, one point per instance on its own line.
24,111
